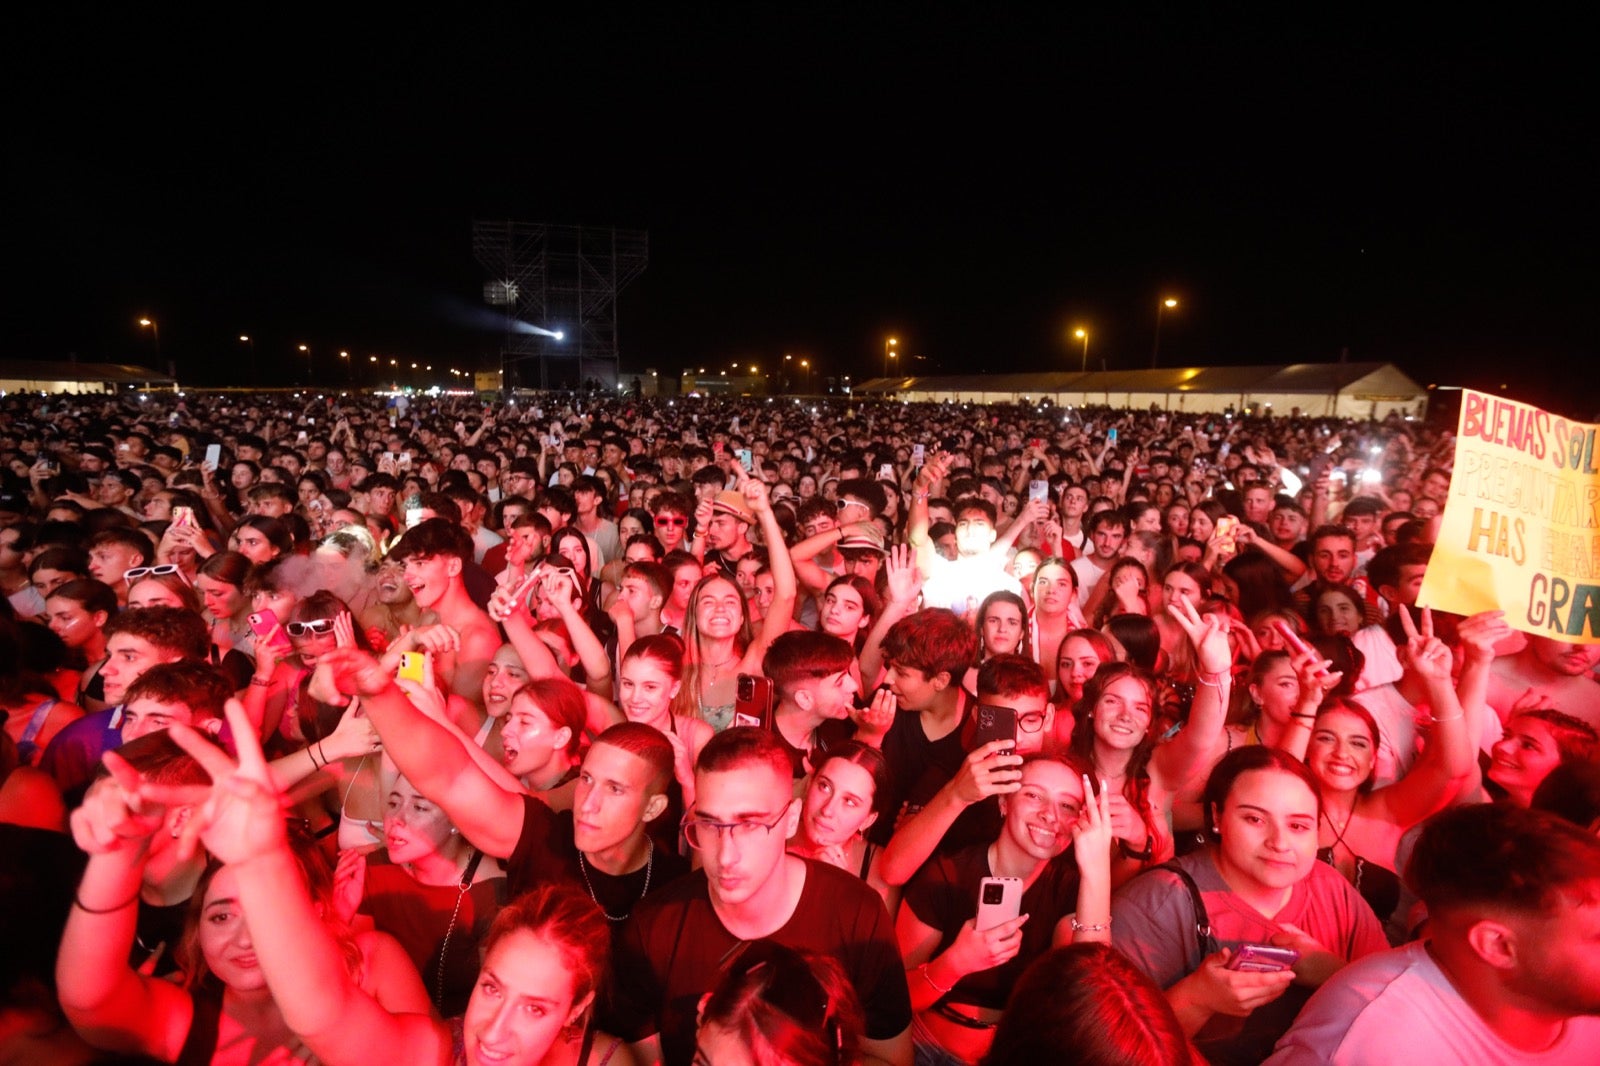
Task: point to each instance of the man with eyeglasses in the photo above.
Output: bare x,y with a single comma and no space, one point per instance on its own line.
750,888
671,513
967,808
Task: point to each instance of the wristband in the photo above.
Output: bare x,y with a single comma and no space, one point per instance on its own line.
266,683
1098,927
312,751
322,753
78,903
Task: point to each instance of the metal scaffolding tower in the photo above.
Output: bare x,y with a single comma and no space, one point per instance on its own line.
560,279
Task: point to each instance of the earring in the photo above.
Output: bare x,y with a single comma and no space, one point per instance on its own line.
454,830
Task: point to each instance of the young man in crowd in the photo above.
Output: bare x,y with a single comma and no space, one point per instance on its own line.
751,888
113,552
1507,972
925,657
434,554
815,693
1548,673
724,536
966,808
671,513
135,641
593,520
1333,562
603,843
1108,532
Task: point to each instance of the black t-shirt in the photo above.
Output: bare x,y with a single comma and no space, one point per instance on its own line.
830,734
158,927
545,852
944,894
918,767
672,949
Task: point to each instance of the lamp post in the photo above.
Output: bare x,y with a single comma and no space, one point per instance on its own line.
1083,335
155,333
250,342
889,353
1155,349
805,364
349,374
310,377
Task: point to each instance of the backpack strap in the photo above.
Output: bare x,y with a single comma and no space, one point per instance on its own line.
1202,920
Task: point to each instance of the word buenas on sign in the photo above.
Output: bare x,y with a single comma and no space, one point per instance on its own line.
1568,445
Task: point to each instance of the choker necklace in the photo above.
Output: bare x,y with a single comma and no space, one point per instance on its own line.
649,862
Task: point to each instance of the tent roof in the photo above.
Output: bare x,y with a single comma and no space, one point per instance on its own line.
52,370
1309,378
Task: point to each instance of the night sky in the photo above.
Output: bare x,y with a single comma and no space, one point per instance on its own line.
974,181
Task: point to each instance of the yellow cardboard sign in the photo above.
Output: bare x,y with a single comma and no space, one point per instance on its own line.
1521,529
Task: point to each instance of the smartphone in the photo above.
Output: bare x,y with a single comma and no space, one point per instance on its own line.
413,516
182,516
754,700
716,448
999,901
746,460
1262,958
919,453
301,436
1036,443
1225,527
1038,490
405,458
214,454
995,723
1111,435
261,623
1223,449
411,667
886,472
1295,641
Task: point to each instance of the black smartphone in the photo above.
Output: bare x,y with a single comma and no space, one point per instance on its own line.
754,700
995,723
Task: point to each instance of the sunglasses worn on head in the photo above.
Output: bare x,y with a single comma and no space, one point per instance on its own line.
315,627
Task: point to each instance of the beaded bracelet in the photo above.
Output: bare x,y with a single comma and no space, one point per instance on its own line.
1098,927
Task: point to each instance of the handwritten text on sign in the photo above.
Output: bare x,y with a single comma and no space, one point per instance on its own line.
1521,529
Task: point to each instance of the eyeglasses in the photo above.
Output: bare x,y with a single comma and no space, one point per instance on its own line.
671,520
316,627
1031,722
702,833
147,571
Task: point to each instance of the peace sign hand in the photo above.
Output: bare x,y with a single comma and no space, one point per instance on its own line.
1208,633
242,817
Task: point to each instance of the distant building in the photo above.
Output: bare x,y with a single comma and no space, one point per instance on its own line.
43,375
1319,390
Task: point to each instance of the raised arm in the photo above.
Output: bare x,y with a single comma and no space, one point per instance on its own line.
430,757
321,1002
1179,759
781,612
1448,756
905,585
110,1005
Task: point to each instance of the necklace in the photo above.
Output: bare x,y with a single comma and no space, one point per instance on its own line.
444,946
649,863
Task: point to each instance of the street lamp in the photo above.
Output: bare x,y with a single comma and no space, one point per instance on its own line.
349,374
1083,335
1155,349
309,375
246,339
805,364
889,353
155,332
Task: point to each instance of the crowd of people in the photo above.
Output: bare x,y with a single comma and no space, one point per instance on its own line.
578,729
